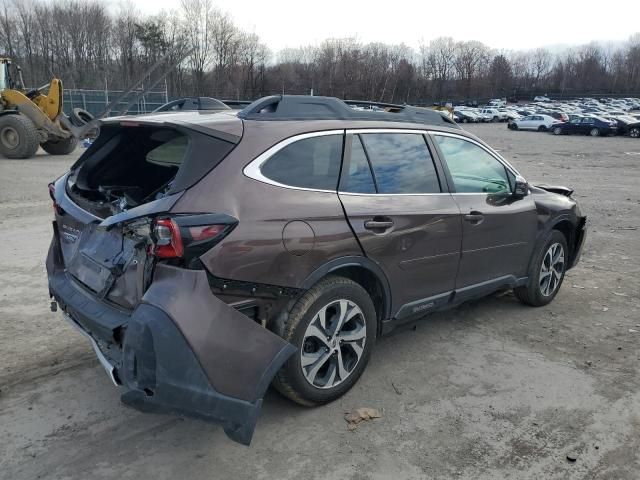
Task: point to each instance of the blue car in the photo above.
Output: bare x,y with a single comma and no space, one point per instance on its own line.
594,126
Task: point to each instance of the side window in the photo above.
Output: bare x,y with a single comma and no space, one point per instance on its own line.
401,163
472,168
357,177
308,163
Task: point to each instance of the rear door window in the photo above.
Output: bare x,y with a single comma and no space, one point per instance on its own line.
357,176
401,163
308,163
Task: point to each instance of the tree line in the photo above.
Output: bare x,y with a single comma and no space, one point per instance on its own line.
90,47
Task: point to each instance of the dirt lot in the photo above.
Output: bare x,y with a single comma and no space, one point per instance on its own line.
491,390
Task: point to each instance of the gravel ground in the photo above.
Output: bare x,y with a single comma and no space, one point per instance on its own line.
490,390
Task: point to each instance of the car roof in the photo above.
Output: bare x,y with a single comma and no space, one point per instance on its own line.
296,118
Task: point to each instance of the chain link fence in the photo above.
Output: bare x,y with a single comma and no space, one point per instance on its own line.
95,101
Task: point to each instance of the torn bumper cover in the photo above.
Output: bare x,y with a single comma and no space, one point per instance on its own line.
181,350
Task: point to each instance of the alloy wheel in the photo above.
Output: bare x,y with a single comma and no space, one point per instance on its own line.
634,133
551,270
333,344
594,132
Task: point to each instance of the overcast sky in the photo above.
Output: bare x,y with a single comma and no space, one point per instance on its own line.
513,24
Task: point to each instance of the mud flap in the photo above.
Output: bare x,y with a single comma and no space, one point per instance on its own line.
186,351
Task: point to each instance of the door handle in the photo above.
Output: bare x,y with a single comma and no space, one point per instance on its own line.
378,223
474,217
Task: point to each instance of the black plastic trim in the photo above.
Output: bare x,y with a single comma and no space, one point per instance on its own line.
304,107
353,261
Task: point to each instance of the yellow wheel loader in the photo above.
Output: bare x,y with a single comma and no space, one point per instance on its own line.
29,119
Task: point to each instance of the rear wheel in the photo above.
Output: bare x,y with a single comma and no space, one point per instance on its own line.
18,136
546,272
542,128
594,132
557,131
63,146
333,327
634,132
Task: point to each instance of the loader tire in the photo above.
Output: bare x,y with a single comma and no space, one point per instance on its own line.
63,146
18,136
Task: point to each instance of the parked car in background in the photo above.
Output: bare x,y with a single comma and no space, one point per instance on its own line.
594,126
466,116
192,103
494,114
497,103
541,98
627,125
541,123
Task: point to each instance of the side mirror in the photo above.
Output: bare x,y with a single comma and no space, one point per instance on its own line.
521,187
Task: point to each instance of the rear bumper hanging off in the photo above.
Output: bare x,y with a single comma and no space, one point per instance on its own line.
181,351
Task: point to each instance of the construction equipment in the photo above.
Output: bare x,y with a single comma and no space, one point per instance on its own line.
29,119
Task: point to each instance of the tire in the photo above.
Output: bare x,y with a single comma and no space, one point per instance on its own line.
515,127
534,292
495,119
634,132
18,136
61,147
594,132
542,128
464,120
80,117
557,131
295,381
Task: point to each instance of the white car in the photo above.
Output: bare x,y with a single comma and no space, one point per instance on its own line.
494,114
541,98
541,123
497,103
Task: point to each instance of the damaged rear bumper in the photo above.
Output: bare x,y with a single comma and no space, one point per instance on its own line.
181,350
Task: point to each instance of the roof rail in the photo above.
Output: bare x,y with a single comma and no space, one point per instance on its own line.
305,107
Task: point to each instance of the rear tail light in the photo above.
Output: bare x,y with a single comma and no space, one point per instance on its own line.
168,241
52,193
189,236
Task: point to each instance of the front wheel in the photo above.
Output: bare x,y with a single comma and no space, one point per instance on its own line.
546,272
542,128
557,131
594,132
64,146
333,327
18,136
634,132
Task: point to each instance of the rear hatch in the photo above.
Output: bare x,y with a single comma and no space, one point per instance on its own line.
108,203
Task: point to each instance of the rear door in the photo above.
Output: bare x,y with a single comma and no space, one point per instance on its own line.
498,228
526,122
397,205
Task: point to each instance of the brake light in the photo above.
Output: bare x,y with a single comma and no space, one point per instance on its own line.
189,236
168,241
205,232
52,194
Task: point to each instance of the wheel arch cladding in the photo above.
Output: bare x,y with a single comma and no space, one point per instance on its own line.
568,230
366,273
186,351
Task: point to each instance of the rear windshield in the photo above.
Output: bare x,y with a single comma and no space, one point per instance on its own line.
143,163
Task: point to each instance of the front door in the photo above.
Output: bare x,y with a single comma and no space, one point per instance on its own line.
498,228
391,192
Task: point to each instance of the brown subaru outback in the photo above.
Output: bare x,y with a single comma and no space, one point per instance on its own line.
208,255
